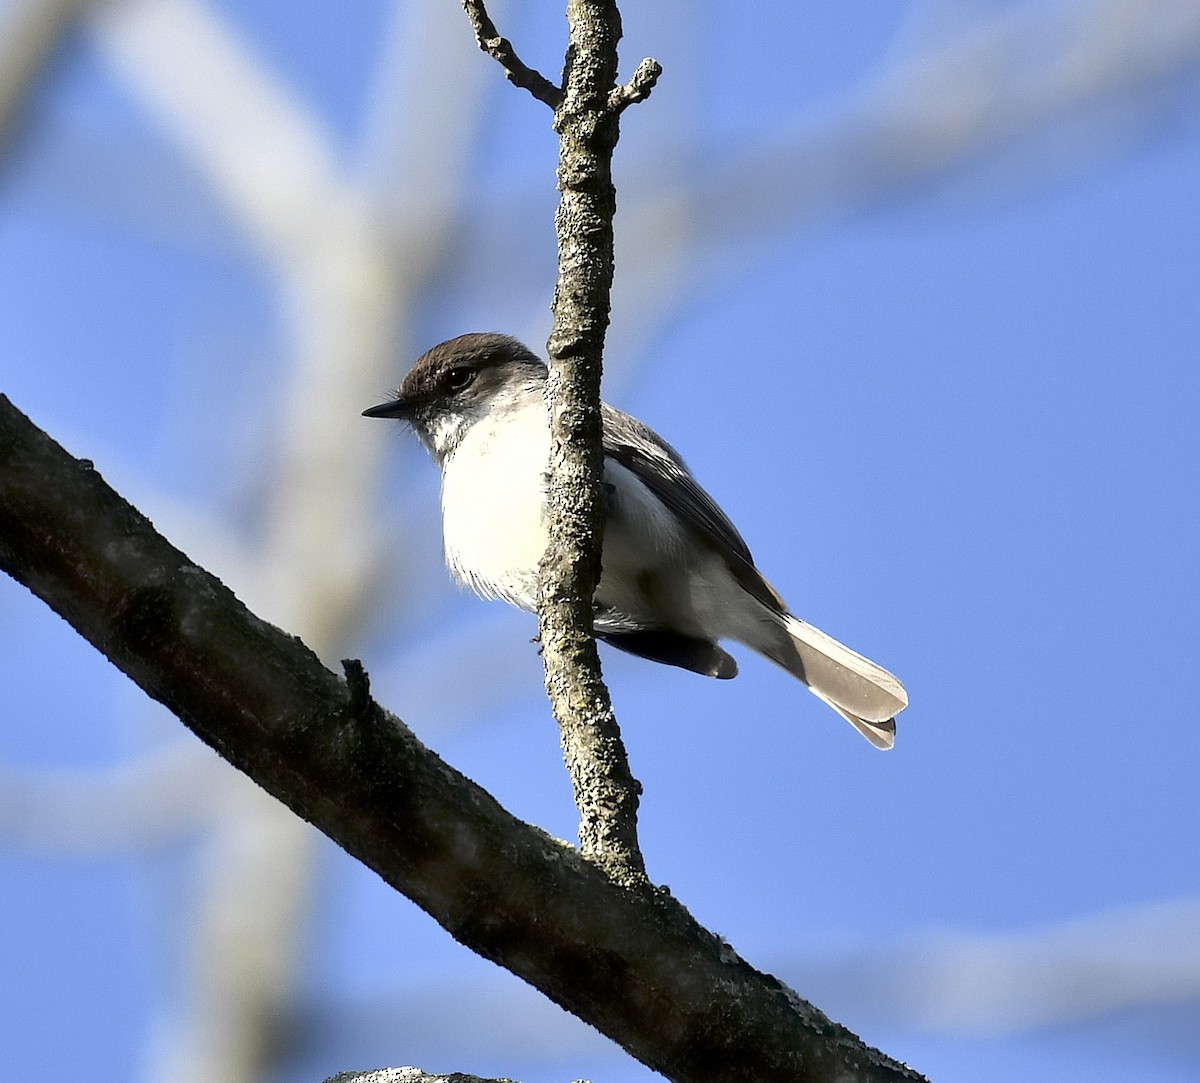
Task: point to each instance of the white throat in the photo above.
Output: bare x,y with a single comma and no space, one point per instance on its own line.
493,499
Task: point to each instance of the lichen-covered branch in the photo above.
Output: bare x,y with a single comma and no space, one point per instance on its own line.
631,962
586,114
605,790
638,88
500,49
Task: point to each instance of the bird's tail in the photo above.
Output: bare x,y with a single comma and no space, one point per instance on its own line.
864,694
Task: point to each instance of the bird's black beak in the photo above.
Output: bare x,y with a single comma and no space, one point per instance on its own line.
395,408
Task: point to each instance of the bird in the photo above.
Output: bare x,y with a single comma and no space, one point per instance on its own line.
676,576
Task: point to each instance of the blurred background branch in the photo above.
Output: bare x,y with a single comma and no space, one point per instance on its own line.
29,33
372,233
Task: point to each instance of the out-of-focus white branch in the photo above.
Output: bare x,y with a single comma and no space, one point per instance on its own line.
242,950
346,282
956,983
414,104
138,804
1004,983
269,158
1015,72
349,304
352,253
29,30
994,82
348,275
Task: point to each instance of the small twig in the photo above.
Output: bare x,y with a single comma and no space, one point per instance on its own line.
638,88
362,707
500,49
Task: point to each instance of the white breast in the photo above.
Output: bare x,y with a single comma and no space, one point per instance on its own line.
493,501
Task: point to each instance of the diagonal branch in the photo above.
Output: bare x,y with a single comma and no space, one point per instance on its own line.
271,159
500,49
632,962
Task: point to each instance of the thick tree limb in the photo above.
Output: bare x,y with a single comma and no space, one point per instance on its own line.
632,962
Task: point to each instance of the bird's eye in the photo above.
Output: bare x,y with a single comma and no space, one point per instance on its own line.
460,378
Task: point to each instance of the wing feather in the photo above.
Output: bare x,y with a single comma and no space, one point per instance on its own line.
662,470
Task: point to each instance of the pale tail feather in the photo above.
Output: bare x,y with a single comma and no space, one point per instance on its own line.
881,734
864,694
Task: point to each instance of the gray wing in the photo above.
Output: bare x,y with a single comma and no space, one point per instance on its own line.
660,468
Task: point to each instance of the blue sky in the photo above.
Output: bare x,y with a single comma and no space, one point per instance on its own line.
953,412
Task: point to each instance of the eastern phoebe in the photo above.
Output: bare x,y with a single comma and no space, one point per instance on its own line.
677,577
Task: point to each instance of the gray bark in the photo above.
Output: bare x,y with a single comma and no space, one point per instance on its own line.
586,111
606,792
627,959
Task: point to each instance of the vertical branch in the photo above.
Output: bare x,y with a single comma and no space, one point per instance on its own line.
586,111
586,121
